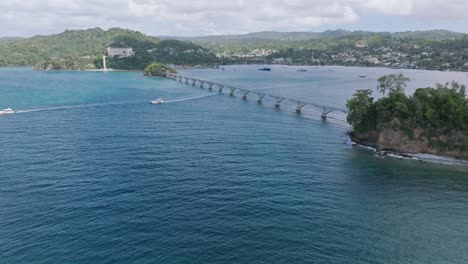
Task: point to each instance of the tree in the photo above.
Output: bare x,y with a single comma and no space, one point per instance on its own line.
158,69
392,83
358,109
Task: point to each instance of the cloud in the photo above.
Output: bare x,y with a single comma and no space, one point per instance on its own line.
200,17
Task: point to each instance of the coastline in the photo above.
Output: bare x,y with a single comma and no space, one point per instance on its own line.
201,67
421,157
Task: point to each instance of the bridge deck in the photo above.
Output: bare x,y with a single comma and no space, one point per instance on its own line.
325,109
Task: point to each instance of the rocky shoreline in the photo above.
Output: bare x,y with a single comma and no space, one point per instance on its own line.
396,144
421,157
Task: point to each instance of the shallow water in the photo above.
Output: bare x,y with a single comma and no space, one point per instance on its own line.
95,174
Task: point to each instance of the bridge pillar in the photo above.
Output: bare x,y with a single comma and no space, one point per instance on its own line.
194,82
278,102
260,98
221,88
245,95
210,86
186,80
299,107
202,83
325,112
232,91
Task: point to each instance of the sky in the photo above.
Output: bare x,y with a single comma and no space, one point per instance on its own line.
213,17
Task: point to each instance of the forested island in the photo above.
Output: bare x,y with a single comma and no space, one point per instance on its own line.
433,120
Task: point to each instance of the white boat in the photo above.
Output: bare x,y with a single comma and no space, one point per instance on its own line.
158,101
7,111
302,70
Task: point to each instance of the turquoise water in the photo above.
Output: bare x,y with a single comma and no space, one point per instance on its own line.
90,172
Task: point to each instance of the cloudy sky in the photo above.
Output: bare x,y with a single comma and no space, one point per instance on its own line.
206,17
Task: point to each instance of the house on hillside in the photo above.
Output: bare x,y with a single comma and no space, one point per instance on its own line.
120,52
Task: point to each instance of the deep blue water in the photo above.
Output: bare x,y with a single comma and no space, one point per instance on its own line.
92,173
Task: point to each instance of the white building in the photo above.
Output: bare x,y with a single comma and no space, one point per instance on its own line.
120,52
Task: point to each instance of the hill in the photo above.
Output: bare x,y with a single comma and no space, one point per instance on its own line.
166,51
71,43
80,49
329,34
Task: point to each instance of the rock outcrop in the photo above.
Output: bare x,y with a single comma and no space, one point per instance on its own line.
443,143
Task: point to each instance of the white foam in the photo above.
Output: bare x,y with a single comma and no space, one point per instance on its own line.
74,106
189,99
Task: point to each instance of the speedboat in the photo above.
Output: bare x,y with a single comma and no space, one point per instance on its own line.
7,111
158,101
302,70
265,69
362,76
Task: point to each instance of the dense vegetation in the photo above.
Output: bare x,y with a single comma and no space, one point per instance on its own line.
75,49
67,63
436,110
435,49
158,69
166,51
274,36
80,49
69,44
380,50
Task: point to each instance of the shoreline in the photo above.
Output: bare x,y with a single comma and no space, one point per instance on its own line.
207,67
347,66
421,157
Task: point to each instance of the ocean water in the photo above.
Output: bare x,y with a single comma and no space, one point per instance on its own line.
90,172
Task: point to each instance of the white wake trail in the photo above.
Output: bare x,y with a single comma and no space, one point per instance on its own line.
74,106
55,108
190,99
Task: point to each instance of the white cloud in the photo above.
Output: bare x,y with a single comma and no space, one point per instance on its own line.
196,17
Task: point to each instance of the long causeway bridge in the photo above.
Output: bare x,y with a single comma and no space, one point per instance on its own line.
259,95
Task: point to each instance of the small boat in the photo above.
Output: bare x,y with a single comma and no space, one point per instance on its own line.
302,70
7,111
265,69
362,76
158,101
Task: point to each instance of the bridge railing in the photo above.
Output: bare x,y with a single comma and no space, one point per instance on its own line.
278,99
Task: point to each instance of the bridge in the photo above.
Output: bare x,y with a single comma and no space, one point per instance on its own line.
258,95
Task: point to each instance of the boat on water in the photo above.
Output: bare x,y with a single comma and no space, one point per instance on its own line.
7,111
302,70
158,101
362,76
265,69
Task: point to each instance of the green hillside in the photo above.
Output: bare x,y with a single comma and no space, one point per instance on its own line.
71,43
329,34
82,49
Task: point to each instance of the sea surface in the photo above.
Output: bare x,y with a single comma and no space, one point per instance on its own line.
90,172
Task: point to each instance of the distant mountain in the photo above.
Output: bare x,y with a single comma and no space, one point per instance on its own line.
70,43
9,39
438,34
329,34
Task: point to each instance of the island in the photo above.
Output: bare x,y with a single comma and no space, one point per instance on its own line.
157,69
433,120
